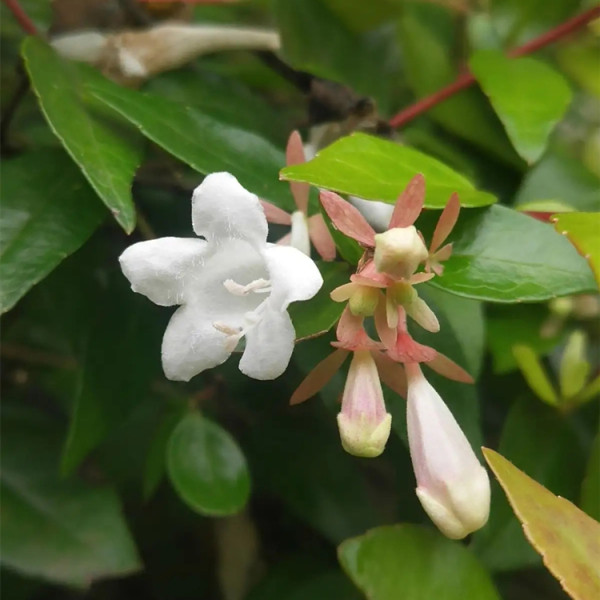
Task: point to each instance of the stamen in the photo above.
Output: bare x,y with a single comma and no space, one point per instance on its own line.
258,286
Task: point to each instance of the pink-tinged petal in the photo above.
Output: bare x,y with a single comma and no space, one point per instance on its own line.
446,222
347,219
448,368
319,376
275,214
444,253
294,155
321,237
386,334
420,278
391,373
409,204
406,350
343,292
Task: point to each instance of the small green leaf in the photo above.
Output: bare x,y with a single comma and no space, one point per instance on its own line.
565,536
319,314
48,212
535,375
529,97
204,143
502,255
583,230
64,531
207,467
376,169
414,563
106,156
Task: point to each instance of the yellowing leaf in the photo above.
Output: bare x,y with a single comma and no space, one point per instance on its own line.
567,538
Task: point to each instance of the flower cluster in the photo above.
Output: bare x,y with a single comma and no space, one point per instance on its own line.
452,485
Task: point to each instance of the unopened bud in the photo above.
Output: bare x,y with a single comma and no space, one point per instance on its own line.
399,251
363,422
453,487
364,300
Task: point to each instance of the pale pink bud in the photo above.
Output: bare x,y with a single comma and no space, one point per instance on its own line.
363,422
453,487
399,251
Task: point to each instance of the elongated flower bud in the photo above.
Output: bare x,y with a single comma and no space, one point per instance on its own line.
363,422
452,486
399,251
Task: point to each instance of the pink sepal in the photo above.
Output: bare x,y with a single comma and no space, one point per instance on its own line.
448,368
445,223
406,350
347,219
319,376
409,204
294,155
275,214
320,237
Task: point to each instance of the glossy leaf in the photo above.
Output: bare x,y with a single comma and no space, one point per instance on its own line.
64,531
501,255
204,143
369,167
420,562
564,535
529,97
48,212
107,156
321,313
583,231
207,467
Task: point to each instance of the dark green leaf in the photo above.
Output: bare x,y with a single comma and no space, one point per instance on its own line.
414,563
529,97
321,313
48,212
369,167
590,489
105,155
203,142
502,255
64,531
207,467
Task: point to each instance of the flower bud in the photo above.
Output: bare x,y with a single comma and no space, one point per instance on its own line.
453,487
399,251
363,422
364,300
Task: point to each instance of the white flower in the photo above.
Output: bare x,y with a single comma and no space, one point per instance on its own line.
453,487
230,285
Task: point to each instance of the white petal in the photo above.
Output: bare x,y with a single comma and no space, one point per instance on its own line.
191,343
160,268
222,209
299,234
269,346
294,276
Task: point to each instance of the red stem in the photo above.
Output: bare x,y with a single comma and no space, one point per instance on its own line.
466,79
21,16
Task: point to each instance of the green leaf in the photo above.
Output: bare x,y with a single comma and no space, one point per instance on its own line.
583,230
319,314
538,439
48,212
534,374
417,563
564,535
502,255
64,531
207,467
204,143
106,156
369,167
529,97
590,488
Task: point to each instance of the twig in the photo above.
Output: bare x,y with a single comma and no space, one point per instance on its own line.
467,79
22,17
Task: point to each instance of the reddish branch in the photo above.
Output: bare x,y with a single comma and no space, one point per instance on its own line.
466,79
21,16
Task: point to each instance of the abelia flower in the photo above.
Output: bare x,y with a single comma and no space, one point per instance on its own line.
231,284
304,229
452,486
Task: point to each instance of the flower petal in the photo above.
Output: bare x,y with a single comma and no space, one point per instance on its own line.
409,204
448,368
222,209
445,223
293,275
294,155
159,268
269,346
347,219
191,343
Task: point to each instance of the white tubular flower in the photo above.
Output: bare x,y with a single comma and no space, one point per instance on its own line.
230,285
452,486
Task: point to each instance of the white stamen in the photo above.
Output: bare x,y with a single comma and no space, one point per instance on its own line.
258,286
